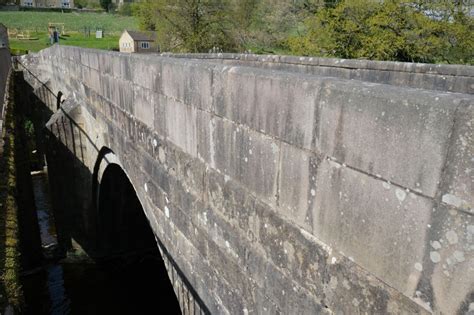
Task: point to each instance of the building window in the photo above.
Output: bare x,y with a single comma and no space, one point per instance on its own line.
145,45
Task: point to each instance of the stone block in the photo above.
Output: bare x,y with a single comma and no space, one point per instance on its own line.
181,125
186,81
93,61
119,92
106,86
456,187
160,115
206,124
297,185
91,78
144,71
399,134
144,101
280,105
382,227
248,157
448,266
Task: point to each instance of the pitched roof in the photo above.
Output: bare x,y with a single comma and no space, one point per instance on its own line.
142,36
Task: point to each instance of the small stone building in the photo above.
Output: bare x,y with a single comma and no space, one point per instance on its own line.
138,42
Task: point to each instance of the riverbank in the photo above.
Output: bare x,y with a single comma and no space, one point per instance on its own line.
11,295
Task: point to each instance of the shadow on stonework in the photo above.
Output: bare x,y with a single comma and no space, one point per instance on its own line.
107,221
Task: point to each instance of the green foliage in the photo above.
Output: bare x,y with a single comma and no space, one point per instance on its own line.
125,9
228,25
29,128
188,25
244,17
89,4
388,30
80,4
265,25
146,15
106,4
403,30
274,22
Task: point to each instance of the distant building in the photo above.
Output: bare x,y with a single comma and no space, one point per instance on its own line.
138,42
65,4
119,3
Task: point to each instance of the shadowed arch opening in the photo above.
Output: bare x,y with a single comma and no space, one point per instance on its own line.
126,239
123,224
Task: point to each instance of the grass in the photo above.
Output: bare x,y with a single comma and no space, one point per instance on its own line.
74,39
35,24
74,22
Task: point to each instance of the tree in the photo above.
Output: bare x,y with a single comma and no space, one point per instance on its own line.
189,25
243,18
265,25
105,4
387,30
146,14
125,9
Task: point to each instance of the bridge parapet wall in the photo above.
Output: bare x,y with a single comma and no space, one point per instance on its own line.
289,190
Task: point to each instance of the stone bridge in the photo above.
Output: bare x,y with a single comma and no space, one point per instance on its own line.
272,184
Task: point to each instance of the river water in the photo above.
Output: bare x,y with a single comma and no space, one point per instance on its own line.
80,286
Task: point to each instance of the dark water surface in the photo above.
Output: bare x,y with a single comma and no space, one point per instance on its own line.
65,287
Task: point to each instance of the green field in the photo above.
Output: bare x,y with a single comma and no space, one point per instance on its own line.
73,39
35,24
73,21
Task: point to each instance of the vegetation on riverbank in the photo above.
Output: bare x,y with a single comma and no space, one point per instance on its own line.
10,287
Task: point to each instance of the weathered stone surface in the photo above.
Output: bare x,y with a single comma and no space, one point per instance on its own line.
297,184
352,211
144,102
457,184
247,156
191,84
448,262
380,131
181,125
277,190
453,78
281,105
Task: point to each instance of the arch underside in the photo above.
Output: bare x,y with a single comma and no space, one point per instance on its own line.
124,231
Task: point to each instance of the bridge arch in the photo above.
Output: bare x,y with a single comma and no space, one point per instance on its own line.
124,231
